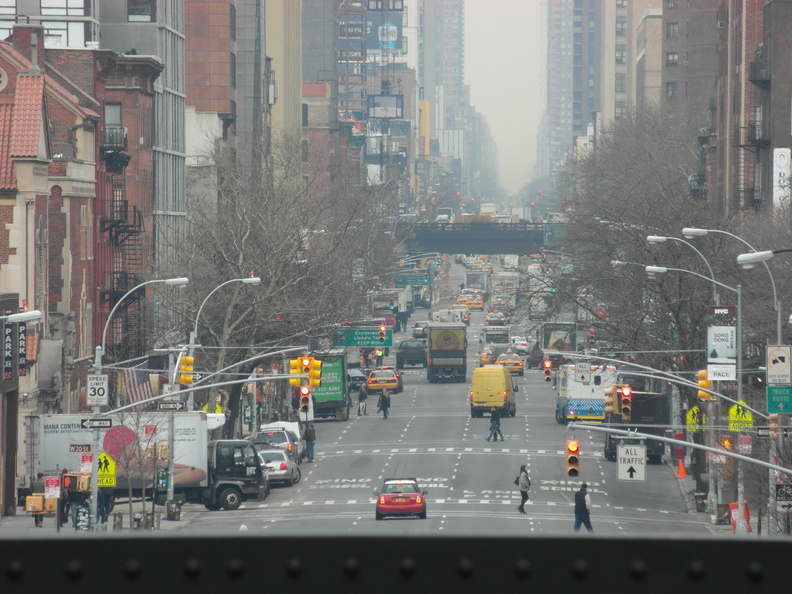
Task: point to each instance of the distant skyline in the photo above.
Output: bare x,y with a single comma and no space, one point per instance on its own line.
504,67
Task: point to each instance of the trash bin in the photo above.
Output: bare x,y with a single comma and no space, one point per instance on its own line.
173,510
723,517
701,502
118,521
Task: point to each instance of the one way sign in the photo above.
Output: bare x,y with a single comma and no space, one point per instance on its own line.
632,462
96,423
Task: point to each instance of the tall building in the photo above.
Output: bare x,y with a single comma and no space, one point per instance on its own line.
284,47
648,59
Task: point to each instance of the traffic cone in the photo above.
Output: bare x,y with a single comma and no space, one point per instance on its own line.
681,472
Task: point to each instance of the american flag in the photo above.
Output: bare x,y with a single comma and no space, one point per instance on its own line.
136,383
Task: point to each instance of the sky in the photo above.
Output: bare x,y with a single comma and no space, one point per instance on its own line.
504,68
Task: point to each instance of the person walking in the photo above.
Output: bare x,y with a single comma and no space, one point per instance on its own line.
362,397
36,487
310,441
384,402
524,483
495,429
582,509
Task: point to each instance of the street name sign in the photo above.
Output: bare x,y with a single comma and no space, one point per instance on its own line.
632,462
779,399
96,423
779,370
97,390
363,337
170,405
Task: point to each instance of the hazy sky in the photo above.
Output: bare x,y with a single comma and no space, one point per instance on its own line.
503,66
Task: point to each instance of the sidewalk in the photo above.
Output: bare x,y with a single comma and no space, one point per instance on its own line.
22,524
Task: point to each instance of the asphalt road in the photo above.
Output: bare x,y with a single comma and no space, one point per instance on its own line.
431,436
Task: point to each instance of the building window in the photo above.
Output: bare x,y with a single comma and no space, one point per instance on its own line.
621,82
621,26
232,21
621,3
621,109
8,7
63,7
672,59
86,237
621,53
64,33
233,71
672,3
672,30
671,90
141,11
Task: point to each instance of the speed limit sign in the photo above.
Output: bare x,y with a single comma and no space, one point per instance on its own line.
97,390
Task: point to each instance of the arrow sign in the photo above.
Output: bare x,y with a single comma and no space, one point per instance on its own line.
631,471
170,405
631,459
96,423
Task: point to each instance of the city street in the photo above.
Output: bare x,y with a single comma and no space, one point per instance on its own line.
431,436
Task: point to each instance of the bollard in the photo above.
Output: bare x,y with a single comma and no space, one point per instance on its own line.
158,520
149,520
118,521
137,520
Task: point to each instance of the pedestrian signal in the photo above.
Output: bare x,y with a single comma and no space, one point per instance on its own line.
305,399
572,458
294,368
773,426
625,402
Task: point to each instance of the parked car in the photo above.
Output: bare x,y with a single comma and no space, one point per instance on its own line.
400,497
278,438
295,430
411,352
419,329
281,468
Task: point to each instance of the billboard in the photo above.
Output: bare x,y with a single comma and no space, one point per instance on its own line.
384,31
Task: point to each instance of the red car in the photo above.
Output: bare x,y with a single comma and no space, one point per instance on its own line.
400,497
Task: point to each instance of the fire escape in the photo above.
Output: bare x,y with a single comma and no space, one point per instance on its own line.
755,137
124,224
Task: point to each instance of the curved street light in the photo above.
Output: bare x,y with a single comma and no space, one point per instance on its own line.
22,316
251,280
653,239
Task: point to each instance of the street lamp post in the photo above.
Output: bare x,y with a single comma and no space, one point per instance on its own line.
98,370
251,280
741,529
653,239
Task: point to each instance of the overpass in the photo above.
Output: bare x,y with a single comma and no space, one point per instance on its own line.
477,238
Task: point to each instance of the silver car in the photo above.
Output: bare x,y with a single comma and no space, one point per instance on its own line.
278,437
281,468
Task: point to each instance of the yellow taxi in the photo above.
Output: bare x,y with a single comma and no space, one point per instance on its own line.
485,358
463,299
511,362
476,265
381,379
475,303
488,268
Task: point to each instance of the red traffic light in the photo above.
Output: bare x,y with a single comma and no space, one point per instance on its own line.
383,328
305,391
572,446
626,391
547,364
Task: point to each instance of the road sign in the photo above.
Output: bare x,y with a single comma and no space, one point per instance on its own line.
779,399
779,370
632,462
720,373
97,391
740,418
411,279
106,473
170,405
96,423
695,418
363,337
172,389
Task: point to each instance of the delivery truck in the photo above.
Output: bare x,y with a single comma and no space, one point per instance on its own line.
133,457
446,345
332,399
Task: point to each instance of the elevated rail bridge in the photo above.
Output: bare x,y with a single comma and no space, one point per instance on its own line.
479,238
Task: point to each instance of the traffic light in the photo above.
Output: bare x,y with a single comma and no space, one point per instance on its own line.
305,399
294,367
186,369
572,458
315,373
704,382
547,365
625,402
773,427
612,399
383,332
